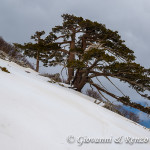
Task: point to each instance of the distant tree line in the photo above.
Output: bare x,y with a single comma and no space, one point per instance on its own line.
12,53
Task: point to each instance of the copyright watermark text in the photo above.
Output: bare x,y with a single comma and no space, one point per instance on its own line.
119,140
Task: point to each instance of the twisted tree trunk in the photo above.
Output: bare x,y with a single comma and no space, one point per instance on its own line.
80,80
37,62
81,77
71,58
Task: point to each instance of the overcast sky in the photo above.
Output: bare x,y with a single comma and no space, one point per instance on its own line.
19,19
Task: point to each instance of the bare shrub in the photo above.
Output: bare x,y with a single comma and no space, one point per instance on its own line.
55,77
112,107
93,94
122,111
14,54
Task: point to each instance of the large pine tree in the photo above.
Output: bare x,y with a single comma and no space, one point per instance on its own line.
92,51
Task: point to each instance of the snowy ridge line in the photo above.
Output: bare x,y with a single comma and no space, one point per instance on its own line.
38,115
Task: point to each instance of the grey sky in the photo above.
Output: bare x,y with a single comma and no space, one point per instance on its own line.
21,18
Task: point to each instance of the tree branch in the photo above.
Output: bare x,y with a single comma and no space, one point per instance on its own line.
63,42
115,86
60,37
127,103
63,50
95,74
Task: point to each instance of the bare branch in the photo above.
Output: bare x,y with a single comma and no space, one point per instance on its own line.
63,50
60,37
63,42
101,83
115,86
128,103
95,74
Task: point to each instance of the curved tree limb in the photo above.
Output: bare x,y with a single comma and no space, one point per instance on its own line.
118,77
115,86
63,50
127,103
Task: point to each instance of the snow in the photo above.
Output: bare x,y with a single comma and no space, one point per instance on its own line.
38,115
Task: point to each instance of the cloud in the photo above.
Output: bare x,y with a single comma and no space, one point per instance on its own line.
21,18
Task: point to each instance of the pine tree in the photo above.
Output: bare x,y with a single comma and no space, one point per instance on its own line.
33,49
40,50
92,51
65,36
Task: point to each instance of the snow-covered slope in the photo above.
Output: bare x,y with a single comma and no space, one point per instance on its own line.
38,115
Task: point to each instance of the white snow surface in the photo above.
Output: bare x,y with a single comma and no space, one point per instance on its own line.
38,115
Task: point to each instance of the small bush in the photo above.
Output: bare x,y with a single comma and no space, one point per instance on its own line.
55,77
93,94
4,69
112,107
122,111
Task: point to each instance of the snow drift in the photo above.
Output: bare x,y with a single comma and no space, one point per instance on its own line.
38,115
